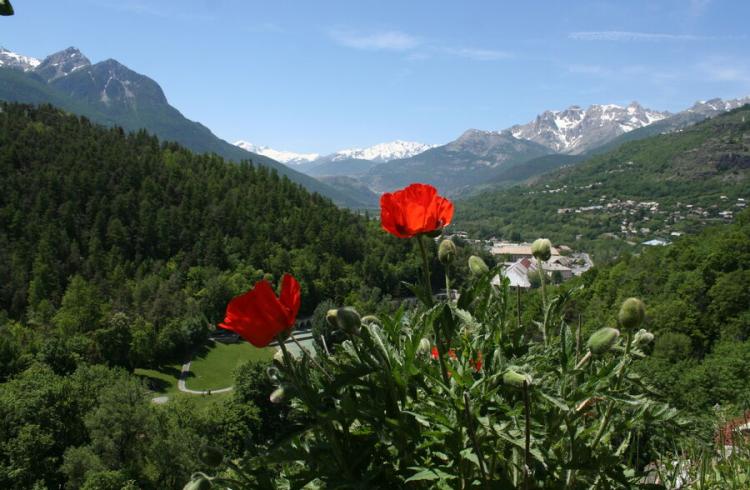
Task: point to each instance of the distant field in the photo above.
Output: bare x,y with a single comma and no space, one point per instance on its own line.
212,368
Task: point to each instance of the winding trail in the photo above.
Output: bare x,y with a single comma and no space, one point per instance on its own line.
181,383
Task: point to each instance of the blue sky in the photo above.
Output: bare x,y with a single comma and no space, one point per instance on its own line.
324,75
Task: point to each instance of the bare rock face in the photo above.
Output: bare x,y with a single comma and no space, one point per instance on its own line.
62,64
576,130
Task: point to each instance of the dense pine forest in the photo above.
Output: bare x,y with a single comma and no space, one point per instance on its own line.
124,250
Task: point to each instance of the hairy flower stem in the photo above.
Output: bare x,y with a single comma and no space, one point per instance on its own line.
425,269
583,360
309,356
542,278
474,441
527,431
610,406
328,428
544,298
518,306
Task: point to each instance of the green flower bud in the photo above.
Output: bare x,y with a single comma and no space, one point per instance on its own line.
200,483
632,313
516,379
425,347
602,340
278,395
541,249
477,265
331,318
211,456
643,338
348,319
447,252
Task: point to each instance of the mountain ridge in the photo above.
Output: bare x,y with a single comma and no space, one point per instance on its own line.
110,93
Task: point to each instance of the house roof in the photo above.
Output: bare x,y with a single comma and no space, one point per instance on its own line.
516,249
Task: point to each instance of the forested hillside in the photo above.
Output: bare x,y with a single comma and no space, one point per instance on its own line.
644,189
125,249
697,295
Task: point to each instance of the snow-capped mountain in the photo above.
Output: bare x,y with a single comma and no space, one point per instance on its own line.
62,64
9,59
287,157
715,106
383,152
348,162
576,130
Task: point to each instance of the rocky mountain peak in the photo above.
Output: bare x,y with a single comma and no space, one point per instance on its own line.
574,130
62,64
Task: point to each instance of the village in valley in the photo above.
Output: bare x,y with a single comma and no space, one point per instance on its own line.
521,268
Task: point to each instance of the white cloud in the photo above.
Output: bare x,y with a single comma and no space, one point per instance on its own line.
478,54
386,40
625,36
414,47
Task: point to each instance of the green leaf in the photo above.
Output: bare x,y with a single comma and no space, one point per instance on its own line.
429,474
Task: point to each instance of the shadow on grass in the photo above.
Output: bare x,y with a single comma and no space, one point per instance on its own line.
202,351
155,384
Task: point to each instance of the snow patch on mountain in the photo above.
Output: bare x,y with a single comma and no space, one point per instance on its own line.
715,106
288,157
575,129
9,59
383,152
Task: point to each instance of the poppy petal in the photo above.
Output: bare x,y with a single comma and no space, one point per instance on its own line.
290,297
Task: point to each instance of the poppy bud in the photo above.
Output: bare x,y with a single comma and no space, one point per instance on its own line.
447,252
368,319
643,338
331,318
424,347
513,378
348,319
211,456
541,249
632,313
602,340
200,483
277,396
477,265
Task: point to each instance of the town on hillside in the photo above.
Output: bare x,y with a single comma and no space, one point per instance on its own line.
520,267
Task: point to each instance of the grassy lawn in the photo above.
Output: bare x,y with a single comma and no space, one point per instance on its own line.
213,366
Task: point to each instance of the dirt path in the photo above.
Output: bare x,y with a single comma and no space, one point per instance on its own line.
181,383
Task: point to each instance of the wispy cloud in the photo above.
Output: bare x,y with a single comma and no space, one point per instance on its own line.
627,36
385,40
478,54
415,48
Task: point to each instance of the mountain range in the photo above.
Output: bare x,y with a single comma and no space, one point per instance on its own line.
478,159
110,93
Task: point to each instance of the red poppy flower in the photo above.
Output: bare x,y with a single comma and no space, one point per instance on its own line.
258,316
477,363
436,355
414,210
